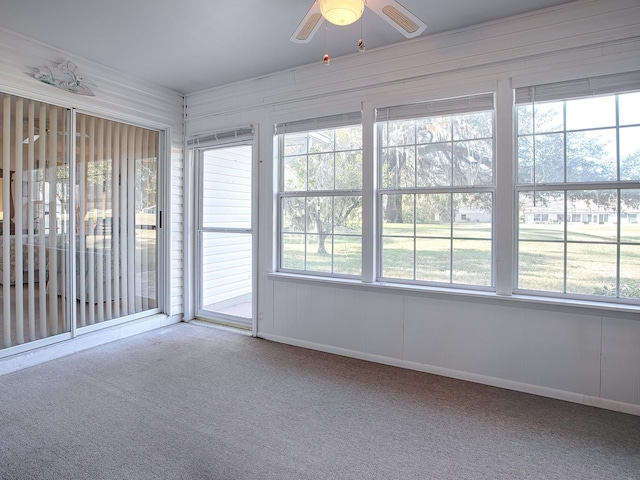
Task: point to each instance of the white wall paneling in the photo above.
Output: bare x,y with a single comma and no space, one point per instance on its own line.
574,353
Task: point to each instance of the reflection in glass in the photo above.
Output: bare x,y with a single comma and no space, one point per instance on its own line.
34,223
117,171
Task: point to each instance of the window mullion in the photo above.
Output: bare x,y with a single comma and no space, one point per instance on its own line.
369,211
505,214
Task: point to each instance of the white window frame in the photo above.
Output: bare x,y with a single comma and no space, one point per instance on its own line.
610,85
310,125
436,108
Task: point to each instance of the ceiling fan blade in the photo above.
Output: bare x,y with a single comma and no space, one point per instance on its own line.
397,16
309,25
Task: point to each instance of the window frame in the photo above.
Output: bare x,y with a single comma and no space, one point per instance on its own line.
550,93
333,123
443,107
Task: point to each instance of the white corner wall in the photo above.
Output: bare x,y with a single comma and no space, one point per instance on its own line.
581,354
121,98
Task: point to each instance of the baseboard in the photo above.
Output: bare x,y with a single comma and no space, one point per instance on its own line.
605,403
67,346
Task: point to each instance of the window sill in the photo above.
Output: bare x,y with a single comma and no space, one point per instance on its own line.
583,307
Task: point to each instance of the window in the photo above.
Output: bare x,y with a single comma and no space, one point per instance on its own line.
578,165
320,195
436,191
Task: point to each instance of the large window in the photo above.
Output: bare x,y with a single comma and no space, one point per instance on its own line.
321,195
578,197
436,190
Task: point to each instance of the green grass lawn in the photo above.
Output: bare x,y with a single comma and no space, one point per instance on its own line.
591,259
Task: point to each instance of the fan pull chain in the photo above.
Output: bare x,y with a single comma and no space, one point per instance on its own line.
326,58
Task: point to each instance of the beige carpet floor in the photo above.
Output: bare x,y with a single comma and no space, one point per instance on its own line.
194,402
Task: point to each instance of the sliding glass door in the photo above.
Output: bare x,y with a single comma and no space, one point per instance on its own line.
34,230
116,231
103,229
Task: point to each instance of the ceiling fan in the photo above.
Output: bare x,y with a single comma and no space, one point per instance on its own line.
345,12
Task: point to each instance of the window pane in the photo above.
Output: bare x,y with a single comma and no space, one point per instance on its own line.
321,141
347,215
473,163
293,215
600,276
295,144
349,138
398,133
472,215
630,153
630,271
226,187
591,156
295,174
321,170
549,158
594,112
433,130
434,165
525,119
595,215
525,159
397,215
349,170
347,254
397,257
629,108
433,260
292,251
473,125
545,219
319,215
398,168
472,262
541,266
433,215
319,253
549,117
630,216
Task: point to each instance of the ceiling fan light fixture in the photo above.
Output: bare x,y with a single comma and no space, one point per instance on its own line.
341,12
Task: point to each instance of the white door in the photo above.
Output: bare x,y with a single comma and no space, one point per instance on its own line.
225,235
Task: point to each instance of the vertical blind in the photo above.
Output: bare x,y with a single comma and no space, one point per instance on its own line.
113,203
117,167
35,175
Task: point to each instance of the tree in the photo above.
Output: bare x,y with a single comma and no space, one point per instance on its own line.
445,151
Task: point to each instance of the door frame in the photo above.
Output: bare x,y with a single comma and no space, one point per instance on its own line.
196,153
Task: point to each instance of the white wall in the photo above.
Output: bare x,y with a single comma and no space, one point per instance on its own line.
120,98
583,354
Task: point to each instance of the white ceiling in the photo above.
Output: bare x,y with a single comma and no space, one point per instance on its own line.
192,45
